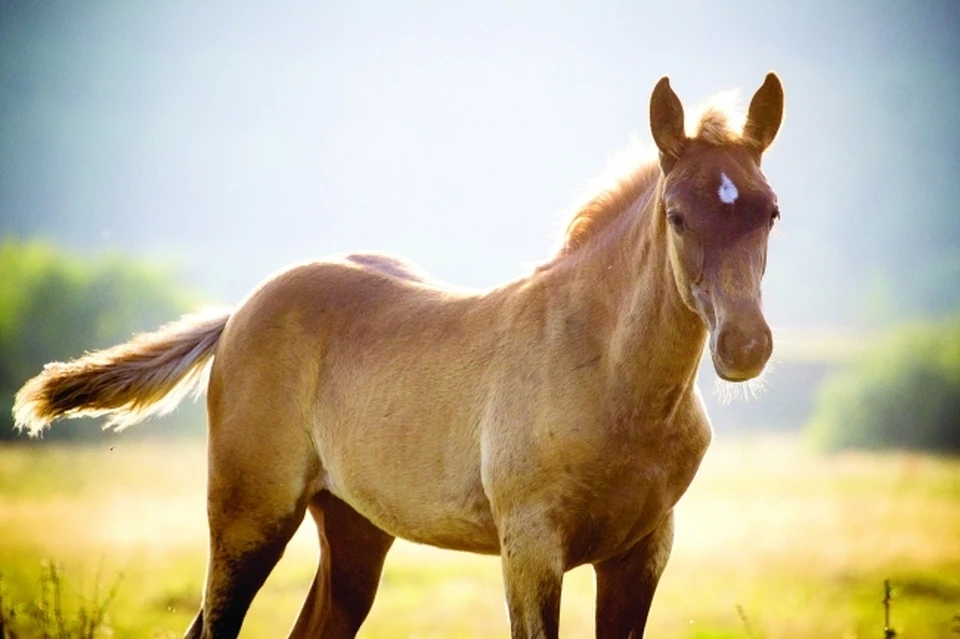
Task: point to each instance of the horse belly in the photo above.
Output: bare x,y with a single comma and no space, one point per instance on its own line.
423,515
412,487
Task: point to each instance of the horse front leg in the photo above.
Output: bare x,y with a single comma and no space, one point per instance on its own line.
625,584
532,562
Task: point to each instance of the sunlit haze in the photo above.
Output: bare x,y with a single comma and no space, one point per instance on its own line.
231,139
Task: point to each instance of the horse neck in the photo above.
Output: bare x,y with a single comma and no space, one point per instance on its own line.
653,340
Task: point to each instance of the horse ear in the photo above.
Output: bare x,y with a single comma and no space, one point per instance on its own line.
765,114
666,121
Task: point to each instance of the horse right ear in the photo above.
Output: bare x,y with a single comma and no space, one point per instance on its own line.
666,122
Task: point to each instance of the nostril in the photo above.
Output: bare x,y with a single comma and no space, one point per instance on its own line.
758,344
766,341
730,346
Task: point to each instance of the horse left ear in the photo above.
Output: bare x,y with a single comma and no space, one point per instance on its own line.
765,114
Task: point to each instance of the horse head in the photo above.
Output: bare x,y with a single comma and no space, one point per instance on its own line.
717,209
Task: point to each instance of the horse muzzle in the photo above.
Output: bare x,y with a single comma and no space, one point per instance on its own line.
740,350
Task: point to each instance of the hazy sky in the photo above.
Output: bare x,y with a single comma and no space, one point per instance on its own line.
233,138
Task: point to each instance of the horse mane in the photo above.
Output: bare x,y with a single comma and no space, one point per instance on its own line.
623,183
717,122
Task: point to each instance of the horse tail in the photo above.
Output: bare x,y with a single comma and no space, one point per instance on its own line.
145,377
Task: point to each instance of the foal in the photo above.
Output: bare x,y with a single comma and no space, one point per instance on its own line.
553,420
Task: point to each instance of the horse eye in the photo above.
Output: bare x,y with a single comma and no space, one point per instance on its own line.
675,220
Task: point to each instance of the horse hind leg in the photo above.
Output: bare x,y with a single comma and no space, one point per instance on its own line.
352,553
239,564
259,485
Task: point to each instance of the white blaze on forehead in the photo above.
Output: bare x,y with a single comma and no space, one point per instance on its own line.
728,190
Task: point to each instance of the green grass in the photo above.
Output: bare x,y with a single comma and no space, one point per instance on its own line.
799,543
46,616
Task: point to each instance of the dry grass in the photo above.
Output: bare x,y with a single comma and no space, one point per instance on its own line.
772,542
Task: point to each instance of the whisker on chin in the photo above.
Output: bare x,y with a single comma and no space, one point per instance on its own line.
751,389
730,392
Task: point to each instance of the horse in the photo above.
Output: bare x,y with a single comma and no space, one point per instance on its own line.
553,420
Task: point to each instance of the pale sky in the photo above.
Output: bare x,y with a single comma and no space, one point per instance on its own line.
233,138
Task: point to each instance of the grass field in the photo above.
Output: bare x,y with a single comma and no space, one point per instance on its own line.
772,541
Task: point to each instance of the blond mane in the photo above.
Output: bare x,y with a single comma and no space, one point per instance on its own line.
717,122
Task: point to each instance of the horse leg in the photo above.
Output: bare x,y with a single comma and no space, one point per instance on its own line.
625,584
533,576
245,545
257,492
352,552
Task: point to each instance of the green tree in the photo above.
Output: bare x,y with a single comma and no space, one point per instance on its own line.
55,306
903,394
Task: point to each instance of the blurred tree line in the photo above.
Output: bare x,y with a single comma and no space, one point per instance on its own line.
55,306
904,393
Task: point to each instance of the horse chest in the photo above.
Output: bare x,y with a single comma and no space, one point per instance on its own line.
608,503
